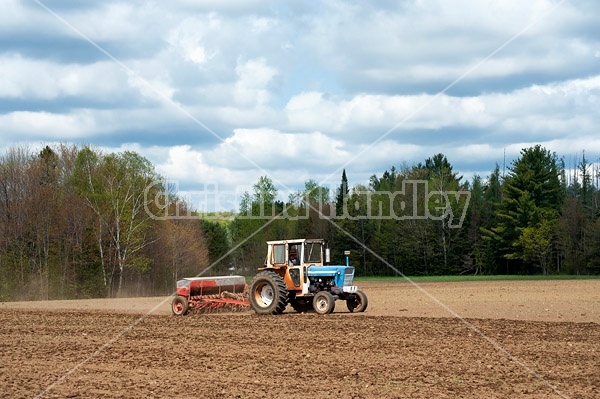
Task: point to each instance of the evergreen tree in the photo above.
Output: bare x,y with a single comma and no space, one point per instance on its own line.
492,258
342,194
532,193
218,243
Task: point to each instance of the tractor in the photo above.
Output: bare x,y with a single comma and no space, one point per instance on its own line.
294,272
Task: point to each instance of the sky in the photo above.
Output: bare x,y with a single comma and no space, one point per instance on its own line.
218,93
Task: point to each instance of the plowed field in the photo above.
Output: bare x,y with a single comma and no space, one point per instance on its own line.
521,339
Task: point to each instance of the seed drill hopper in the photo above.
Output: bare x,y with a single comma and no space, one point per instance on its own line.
210,294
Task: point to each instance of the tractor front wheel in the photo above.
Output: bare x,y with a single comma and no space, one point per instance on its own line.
268,293
358,303
179,306
324,302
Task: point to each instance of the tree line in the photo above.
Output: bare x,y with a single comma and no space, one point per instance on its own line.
539,217
77,222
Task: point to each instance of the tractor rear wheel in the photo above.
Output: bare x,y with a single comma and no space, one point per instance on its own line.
268,293
324,302
358,303
179,306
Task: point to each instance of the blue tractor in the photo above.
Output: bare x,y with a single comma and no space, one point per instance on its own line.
295,272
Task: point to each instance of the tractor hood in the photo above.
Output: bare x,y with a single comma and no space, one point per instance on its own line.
343,275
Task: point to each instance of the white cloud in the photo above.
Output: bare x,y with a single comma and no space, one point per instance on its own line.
311,111
551,108
272,149
44,125
290,159
253,78
198,55
115,23
302,88
262,24
32,79
190,169
154,89
189,38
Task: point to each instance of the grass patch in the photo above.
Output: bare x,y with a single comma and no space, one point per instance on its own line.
477,278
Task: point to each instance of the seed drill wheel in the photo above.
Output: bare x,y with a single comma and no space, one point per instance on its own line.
324,302
268,293
179,306
358,303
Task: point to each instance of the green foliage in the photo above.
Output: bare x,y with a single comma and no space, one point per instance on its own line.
218,243
314,193
536,244
115,187
265,191
256,223
532,192
75,222
592,243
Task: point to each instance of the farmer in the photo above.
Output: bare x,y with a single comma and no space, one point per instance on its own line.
294,259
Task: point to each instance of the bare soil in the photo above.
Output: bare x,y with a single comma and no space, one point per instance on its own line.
504,339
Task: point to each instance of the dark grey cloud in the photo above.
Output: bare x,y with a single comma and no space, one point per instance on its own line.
61,50
60,6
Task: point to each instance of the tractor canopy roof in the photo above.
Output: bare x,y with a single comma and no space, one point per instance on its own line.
297,241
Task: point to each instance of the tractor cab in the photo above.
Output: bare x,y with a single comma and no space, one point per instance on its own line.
291,259
299,252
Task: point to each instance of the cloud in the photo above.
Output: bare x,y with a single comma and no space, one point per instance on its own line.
226,91
538,109
253,78
189,38
22,125
33,79
261,151
427,45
